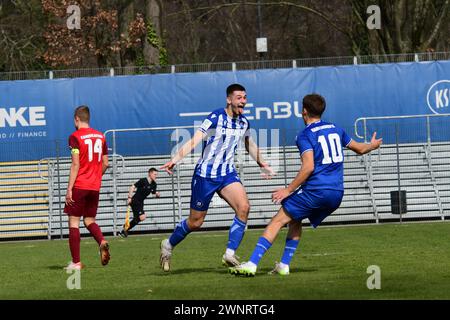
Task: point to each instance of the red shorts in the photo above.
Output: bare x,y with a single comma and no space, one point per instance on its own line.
85,203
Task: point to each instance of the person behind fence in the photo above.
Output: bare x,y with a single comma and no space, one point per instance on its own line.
315,192
89,163
223,130
142,189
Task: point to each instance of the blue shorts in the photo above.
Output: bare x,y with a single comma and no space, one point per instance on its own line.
203,189
315,205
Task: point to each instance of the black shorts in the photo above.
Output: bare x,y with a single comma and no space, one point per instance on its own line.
137,207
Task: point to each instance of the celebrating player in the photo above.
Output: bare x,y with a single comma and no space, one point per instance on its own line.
315,192
142,188
89,163
215,172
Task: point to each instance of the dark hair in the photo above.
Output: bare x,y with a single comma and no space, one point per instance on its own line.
314,104
234,87
152,170
83,113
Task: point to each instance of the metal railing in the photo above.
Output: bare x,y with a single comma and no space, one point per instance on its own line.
114,133
415,116
224,66
368,163
420,170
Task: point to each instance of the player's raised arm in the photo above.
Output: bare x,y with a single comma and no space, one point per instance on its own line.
363,148
185,150
255,153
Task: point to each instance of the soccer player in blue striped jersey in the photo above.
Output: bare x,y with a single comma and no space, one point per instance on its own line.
222,132
315,192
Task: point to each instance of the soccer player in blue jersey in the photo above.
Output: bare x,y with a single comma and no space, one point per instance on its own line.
315,192
222,131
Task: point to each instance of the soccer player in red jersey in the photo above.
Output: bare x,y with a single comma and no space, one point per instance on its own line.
89,163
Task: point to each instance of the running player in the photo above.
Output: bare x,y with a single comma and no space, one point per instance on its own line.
215,172
89,163
142,188
315,192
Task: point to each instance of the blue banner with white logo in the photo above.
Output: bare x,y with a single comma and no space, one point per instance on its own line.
34,114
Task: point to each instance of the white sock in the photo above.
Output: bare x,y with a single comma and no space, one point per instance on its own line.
282,265
168,246
229,252
252,264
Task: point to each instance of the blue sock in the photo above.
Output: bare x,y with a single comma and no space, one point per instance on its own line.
236,233
261,247
289,250
180,232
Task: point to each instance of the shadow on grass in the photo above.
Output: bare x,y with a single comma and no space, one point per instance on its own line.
292,270
224,271
190,270
60,267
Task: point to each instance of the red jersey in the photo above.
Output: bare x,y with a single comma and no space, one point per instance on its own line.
91,146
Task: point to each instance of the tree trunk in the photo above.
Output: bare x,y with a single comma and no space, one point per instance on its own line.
126,15
152,15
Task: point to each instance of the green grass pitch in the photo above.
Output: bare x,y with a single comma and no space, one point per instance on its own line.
331,263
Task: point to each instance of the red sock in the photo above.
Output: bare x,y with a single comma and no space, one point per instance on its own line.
94,229
74,244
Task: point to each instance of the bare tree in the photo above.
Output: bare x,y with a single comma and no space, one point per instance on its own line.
112,33
34,35
21,41
305,28
406,26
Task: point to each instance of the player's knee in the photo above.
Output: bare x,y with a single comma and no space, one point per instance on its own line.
136,220
88,221
243,209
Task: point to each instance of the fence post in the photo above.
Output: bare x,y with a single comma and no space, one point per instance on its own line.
355,60
59,189
173,201
428,132
50,199
284,157
233,66
430,168
114,185
180,215
180,204
173,184
398,171
368,166
111,72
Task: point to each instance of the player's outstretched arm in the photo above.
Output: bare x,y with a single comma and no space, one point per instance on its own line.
305,171
185,150
255,153
363,148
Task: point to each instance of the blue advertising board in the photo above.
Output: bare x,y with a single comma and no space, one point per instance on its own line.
38,112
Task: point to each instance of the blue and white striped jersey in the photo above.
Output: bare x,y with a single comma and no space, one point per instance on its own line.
223,135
